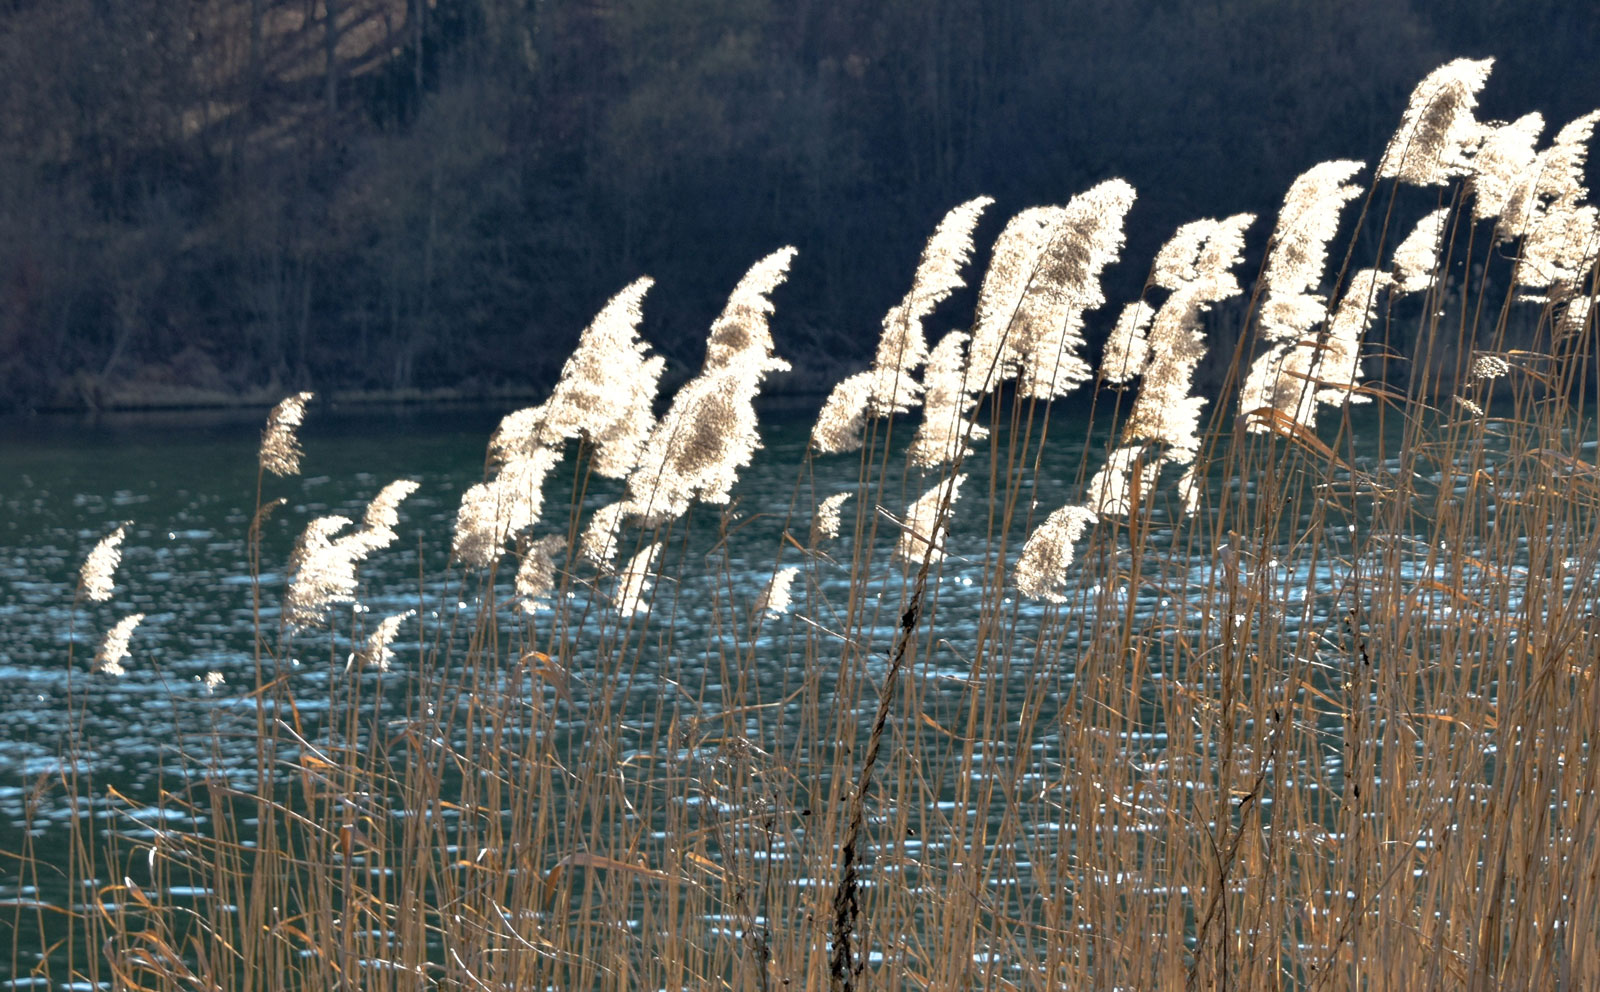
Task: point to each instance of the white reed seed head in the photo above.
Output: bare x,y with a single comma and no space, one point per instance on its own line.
97,576
825,525
1128,347
114,649
631,583
605,393
1487,367
842,421
903,345
945,433
923,530
280,448
536,576
1047,333
774,599
1502,171
1048,553
377,651
740,335
1416,258
1437,131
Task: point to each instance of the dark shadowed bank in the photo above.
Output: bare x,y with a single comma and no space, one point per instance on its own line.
217,202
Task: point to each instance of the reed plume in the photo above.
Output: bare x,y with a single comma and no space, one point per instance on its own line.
825,523
1128,346
922,532
604,394
1437,131
536,576
709,432
114,649
740,338
843,417
774,599
599,541
1196,266
629,596
1280,378
280,447
1417,257
1339,365
1044,337
376,652
945,432
1502,172
1048,552
322,567
496,511
1545,207
1111,488
382,514
1014,263
96,579
903,346
320,573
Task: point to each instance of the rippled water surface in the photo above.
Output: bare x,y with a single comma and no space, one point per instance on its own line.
187,484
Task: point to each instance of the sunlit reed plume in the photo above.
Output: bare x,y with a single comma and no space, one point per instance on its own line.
496,511
96,577
903,345
280,448
376,652
774,599
1298,252
709,432
536,576
1339,368
1048,552
114,649
1487,367
1469,406
322,567
1189,490
1015,262
1111,489
1416,258
631,583
1047,335
825,524
1558,250
604,394
843,418
1437,131
945,433
740,336
320,574
922,532
599,540
383,513
1196,266
1575,316
1502,172
1128,346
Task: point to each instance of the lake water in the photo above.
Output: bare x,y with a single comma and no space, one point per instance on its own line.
187,484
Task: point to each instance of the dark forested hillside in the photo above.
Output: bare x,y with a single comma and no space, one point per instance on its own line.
224,197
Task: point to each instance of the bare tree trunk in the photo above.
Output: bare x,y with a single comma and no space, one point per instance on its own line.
330,51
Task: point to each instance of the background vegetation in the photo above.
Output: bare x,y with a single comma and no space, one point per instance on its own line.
223,197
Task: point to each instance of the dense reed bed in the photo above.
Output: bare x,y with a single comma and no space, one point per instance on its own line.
1256,701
